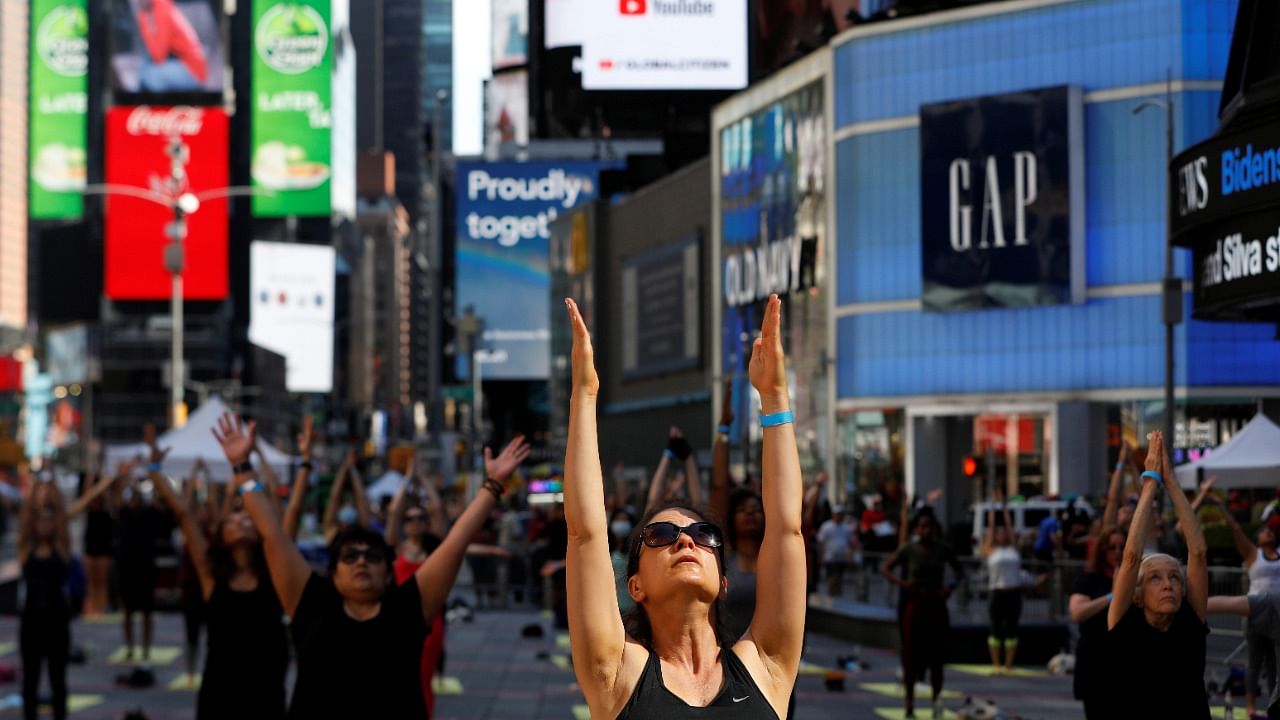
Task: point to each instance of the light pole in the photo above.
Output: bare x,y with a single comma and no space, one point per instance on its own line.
177,197
1171,287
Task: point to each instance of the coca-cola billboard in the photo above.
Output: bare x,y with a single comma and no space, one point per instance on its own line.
141,144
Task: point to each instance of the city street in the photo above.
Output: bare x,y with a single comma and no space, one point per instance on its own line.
492,672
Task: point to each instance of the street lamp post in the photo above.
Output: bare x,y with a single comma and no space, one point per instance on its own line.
182,203
1171,287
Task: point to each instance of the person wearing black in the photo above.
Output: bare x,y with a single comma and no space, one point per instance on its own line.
99,547
247,653
925,619
1090,597
672,658
139,523
358,635
44,626
1156,618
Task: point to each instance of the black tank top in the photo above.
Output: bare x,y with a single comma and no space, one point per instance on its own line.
46,579
248,655
740,698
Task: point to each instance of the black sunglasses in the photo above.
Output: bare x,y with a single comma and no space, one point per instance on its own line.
351,555
662,534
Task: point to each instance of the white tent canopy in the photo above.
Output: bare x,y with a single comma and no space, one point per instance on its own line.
385,486
194,441
1250,459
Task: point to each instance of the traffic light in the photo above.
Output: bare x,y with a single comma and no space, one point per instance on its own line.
972,466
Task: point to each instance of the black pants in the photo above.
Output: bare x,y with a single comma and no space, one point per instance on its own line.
44,635
1005,612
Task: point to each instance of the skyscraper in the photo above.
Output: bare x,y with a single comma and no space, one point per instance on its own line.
14,16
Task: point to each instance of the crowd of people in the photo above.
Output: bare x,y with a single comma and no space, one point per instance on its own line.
674,606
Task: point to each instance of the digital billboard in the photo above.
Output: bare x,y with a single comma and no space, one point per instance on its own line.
139,142
506,111
59,102
291,289
1002,200
661,313
665,45
565,23
772,194
292,104
167,47
510,46
505,212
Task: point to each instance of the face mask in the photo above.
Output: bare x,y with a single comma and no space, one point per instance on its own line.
621,528
348,515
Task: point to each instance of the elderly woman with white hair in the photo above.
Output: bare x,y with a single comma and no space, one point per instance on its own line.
1156,621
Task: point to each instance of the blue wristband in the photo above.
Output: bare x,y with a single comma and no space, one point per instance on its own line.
1108,597
1153,475
724,429
154,467
776,419
1119,466
670,454
250,486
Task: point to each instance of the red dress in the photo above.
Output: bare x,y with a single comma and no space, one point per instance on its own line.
433,646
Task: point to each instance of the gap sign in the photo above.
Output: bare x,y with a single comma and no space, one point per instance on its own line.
1001,197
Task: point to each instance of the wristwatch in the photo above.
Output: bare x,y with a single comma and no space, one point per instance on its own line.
242,468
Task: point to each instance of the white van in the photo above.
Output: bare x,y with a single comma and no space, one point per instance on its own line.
1026,516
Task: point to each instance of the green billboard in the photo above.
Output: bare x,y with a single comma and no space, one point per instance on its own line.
292,96
59,101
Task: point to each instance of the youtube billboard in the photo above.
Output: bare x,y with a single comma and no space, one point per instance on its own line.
138,141
664,45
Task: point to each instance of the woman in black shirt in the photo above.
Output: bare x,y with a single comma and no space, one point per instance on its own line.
247,653
1156,619
1090,597
44,626
359,635
673,658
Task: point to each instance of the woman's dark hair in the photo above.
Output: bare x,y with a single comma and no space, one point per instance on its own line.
636,621
223,564
358,535
737,499
1097,561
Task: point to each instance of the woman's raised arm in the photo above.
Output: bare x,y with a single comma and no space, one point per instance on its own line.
301,480
192,535
1126,577
1197,549
595,625
289,570
777,628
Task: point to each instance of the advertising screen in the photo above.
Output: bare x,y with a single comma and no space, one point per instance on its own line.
510,33
167,47
1001,223
505,213
59,101
661,317
291,288
292,103
565,23
665,45
772,187
139,148
506,111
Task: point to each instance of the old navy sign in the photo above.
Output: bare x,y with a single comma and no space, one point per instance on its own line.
1231,173
1001,198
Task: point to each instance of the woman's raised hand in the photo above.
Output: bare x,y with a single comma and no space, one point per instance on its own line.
235,437
768,362
1155,452
585,379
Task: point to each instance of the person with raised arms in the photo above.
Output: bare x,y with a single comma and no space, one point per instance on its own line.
358,635
672,657
1156,618
247,655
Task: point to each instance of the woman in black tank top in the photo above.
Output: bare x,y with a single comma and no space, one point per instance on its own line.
247,655
673,657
